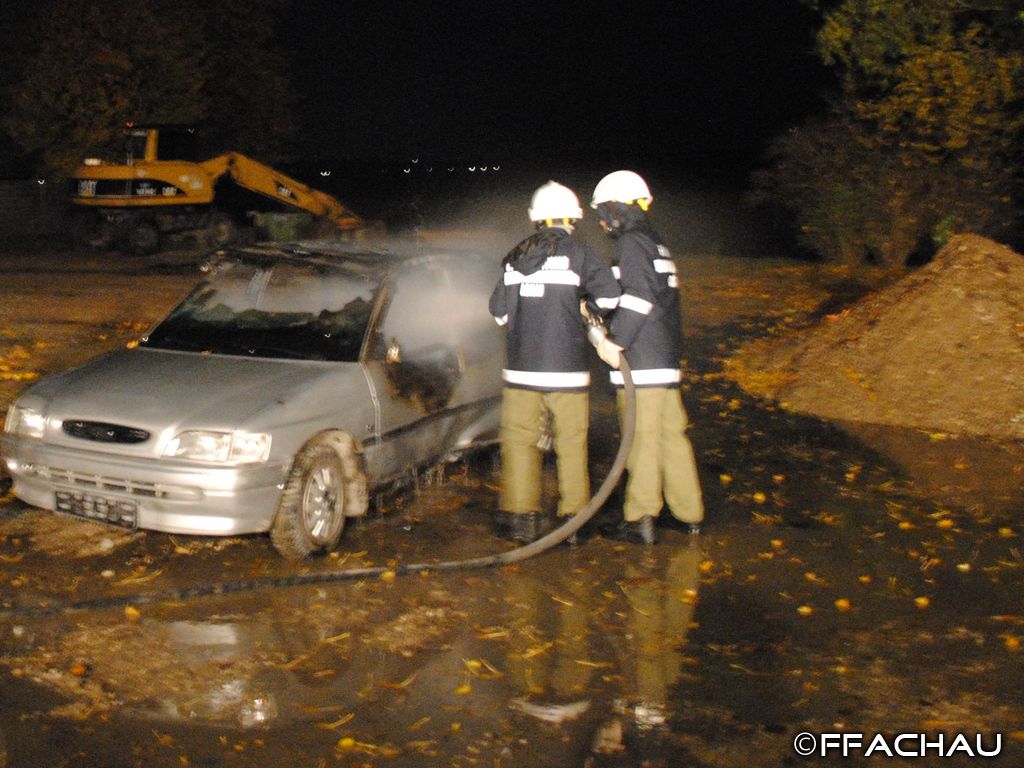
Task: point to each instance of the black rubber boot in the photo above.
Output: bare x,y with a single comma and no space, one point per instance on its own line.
675,524
640,532
520,527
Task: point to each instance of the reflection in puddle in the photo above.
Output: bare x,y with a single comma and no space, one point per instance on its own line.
662,600
965,471
551,655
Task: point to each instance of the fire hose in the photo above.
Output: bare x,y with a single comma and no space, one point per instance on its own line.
544,543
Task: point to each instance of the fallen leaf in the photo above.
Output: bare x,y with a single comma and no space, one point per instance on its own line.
593,664
402,684
140,577
922,602
337,723
537,650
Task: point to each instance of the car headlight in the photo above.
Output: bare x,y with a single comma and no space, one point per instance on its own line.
235,447
26,422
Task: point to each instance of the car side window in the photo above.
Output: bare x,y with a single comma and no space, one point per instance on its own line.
412,338
412,321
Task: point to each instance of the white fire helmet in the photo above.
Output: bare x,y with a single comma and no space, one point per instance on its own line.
622,187
554,202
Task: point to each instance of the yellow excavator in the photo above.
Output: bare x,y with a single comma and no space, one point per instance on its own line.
161,190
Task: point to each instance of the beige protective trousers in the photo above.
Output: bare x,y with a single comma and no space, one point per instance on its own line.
523,416
661,465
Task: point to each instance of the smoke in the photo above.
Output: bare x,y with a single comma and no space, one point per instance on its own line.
695,218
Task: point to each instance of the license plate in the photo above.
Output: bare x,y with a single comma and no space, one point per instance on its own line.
94,506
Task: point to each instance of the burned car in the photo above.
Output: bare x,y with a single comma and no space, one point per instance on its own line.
289,383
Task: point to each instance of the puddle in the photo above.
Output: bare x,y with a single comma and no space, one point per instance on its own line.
967,472
852,579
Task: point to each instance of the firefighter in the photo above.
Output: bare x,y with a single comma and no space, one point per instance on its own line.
646,328
545,281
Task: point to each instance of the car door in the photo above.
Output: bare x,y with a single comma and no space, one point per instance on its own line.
413,368
480,341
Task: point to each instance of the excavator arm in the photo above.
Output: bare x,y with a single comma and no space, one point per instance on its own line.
264,180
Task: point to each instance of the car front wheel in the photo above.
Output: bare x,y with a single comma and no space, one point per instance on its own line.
311,514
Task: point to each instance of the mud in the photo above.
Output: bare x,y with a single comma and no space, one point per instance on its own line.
848,579
941,349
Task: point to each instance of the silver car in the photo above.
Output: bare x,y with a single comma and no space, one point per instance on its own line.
291,381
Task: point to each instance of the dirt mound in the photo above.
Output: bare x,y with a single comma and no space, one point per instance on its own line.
941,349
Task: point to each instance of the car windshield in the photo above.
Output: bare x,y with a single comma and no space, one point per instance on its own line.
284,309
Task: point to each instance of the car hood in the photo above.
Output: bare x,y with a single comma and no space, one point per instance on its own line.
156,389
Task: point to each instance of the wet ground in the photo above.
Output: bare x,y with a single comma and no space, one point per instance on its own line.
850,579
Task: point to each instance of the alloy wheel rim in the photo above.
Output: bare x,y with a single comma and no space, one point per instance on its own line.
320,504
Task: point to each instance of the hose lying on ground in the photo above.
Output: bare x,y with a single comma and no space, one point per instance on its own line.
551,539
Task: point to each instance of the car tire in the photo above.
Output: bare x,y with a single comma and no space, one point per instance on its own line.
324,486
143,238
91,231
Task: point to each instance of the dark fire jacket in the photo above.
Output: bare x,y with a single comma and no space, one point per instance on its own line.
538,298
647,322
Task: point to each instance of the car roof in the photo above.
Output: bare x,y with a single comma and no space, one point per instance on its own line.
366,258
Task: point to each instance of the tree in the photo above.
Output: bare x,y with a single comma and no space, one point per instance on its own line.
923,136
248,92
96,65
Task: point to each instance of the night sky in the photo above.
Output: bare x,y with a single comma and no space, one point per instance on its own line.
698,84
694,88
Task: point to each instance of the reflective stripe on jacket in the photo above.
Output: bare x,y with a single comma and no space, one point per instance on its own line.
538,298
647,323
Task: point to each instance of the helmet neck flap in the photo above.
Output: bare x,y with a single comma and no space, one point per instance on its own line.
620,217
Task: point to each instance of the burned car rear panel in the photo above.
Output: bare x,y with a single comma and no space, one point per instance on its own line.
394,355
